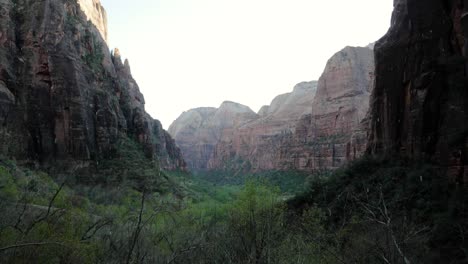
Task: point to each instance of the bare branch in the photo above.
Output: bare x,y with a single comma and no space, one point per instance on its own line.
34,244
95,228
138,228
49,208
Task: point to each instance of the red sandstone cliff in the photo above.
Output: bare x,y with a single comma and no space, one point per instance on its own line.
333,133
257,145
63,97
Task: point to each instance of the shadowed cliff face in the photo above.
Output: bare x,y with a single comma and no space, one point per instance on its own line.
420,101
63,97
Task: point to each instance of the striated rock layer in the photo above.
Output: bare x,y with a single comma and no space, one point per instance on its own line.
333,134
419,107
63,97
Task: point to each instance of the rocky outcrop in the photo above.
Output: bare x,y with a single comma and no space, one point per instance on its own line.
419,107
63,97
197,131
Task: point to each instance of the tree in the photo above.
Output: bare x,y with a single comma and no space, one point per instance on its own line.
256,223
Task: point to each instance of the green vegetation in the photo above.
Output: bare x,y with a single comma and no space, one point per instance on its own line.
324,140
391,211
373,211
289,182
94,55
71,22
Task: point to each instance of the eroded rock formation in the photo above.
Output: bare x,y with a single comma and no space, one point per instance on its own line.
197,131
261,143
420,102
63,96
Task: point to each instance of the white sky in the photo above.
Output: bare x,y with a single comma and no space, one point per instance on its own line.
191,53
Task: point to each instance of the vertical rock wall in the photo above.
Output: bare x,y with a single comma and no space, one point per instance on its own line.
419,107
333,133
63,96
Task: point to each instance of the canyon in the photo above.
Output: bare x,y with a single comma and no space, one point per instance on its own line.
317,126
88,176
411,104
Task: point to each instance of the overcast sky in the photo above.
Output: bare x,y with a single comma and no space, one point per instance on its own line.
191,53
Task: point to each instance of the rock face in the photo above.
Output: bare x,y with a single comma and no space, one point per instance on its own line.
419,107
261,143
63,96
333,133
317,126
291,105
197,131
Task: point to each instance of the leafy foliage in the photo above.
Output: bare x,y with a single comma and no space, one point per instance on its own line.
94,55
289,182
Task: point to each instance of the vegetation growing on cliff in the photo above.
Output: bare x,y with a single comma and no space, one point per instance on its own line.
94,54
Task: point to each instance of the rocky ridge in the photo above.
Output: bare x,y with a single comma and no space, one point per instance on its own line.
64,99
